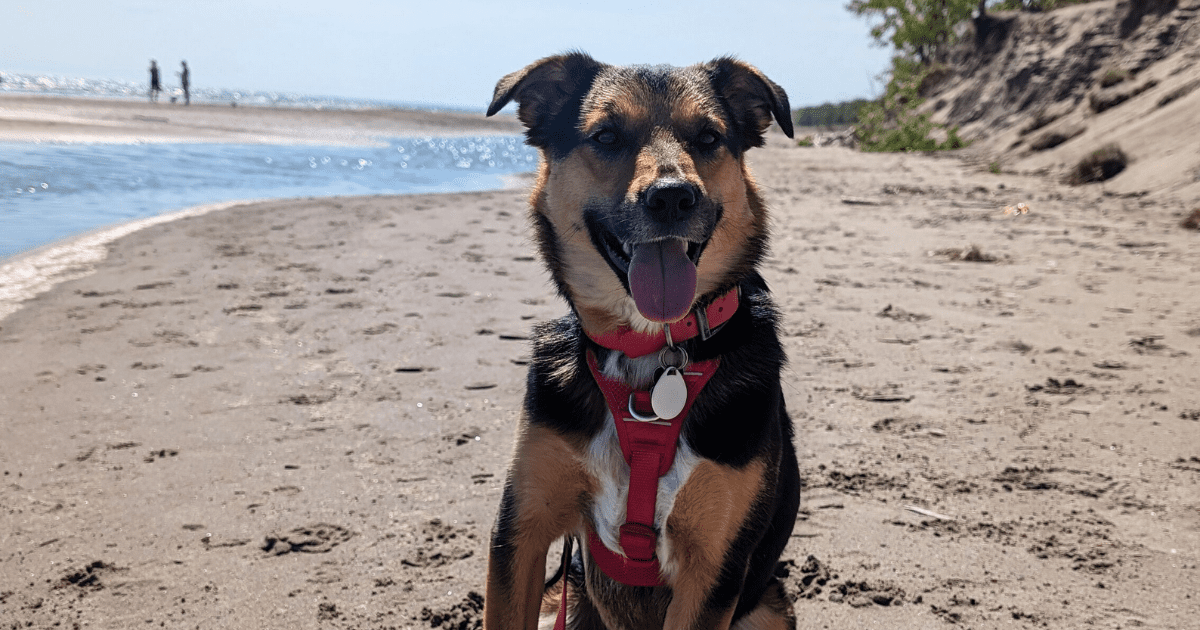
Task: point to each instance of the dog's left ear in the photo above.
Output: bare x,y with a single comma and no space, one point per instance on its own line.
753,98
544,87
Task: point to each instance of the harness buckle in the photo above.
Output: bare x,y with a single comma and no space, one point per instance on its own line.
705,331
638,541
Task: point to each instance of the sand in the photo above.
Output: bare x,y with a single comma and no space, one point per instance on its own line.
298,413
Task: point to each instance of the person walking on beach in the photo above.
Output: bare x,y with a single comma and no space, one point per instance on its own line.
155,86
184,81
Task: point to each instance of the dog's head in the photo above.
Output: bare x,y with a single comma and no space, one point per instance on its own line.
643,204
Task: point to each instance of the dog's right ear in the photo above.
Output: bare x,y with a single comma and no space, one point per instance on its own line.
544,88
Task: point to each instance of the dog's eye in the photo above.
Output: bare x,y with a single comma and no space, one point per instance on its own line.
606,137
707,140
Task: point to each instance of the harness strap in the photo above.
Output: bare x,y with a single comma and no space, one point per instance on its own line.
649,449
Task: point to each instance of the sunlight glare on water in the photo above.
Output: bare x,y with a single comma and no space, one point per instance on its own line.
49,192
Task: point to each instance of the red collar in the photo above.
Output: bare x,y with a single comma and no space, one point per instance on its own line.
700,322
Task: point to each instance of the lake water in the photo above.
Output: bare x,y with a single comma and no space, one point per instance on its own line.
53,191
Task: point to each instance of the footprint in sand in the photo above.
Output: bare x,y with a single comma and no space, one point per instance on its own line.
318,538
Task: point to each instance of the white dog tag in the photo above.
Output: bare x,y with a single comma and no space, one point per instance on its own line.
669,394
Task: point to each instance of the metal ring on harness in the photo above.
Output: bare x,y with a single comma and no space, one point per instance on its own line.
639,417
683,357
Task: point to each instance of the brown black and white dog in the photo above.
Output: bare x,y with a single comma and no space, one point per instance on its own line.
652,228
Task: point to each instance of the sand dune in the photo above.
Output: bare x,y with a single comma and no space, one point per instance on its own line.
1040,92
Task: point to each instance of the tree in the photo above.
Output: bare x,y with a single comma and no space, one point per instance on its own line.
917,29
921,31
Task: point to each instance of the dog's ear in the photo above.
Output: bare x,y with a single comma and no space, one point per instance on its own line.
544,88
752,98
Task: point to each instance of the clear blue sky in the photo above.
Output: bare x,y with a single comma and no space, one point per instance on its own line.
437,52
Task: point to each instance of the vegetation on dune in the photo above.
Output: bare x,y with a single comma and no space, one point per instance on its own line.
1034,5
893,123
920,32
829,114
1100,165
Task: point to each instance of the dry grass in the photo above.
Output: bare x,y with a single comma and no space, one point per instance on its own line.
1178,93
1193,220
971,253
1103,164
1108,99
1051,139
1113,76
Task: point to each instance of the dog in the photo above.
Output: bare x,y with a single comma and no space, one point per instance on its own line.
654,431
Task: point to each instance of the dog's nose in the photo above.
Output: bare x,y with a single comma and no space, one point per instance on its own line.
671,201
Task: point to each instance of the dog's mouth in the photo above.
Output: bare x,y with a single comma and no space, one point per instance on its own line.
660,275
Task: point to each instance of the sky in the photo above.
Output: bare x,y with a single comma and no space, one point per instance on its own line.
447,53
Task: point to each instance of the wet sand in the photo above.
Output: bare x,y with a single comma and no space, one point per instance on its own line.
298,413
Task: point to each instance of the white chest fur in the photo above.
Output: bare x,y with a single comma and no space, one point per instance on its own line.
607,465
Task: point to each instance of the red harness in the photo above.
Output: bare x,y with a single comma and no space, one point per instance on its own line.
649,449
647,445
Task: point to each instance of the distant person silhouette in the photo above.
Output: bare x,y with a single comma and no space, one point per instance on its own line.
155,86
184,80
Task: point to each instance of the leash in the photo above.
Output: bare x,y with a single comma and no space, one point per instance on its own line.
561,622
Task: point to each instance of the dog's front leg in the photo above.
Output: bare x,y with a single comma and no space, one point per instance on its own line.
542,495
709,511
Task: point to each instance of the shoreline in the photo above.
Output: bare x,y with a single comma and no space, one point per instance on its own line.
46,119
26,274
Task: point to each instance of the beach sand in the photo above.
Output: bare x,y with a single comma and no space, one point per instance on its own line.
298,414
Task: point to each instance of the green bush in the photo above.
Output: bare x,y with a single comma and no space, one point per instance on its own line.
829,114
893,124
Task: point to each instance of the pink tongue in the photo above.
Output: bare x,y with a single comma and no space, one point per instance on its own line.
662,280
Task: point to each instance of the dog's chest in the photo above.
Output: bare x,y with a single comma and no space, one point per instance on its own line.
608,467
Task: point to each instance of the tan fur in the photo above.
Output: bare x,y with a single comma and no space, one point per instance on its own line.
730,182
708,512
549,479
563,193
